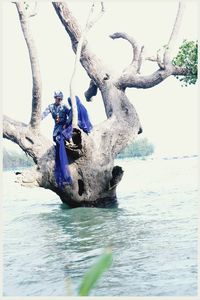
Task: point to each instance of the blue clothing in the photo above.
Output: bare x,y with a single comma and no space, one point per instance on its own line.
83,119
60,114
57,111
62,173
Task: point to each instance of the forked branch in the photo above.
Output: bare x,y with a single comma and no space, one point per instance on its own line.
166,60
129,78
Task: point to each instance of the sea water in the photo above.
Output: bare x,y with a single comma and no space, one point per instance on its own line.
47,247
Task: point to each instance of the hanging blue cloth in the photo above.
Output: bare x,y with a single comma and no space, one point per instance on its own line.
83,118
62,173
67,133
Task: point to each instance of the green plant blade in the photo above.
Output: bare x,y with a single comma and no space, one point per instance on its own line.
95,273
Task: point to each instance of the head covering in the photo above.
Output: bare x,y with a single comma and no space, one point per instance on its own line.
83,118
58,94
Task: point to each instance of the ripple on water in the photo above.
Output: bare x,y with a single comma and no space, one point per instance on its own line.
153,234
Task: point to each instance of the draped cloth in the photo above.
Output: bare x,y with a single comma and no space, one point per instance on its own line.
83,118
62,173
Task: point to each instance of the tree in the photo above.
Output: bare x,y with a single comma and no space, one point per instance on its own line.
95,177
140,148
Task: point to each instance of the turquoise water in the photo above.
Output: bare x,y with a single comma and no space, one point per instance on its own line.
153,234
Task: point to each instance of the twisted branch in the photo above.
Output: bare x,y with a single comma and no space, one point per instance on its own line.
129,78
149,81
134,66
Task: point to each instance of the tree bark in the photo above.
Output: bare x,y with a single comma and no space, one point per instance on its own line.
37,85
95,178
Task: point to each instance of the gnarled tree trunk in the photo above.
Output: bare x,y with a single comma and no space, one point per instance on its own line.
94,175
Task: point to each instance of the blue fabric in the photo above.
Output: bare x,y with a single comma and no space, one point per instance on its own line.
83,118
67,133
60,112
62,173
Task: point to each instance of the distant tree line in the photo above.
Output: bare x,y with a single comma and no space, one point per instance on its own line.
139,148
13,160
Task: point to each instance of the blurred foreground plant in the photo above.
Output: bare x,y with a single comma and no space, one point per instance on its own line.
96,271
92,275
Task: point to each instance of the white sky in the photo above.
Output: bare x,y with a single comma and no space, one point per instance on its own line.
168,112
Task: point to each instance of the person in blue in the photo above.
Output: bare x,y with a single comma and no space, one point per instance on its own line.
60,113
63,132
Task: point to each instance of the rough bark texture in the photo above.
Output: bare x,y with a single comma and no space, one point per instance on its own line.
94,175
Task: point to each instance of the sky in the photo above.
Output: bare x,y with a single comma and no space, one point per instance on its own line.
169,113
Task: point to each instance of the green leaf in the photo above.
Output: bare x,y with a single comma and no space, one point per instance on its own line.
188,57
95,273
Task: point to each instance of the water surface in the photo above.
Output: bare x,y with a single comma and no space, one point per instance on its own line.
153,234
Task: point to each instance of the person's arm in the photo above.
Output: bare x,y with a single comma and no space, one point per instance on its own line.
45,112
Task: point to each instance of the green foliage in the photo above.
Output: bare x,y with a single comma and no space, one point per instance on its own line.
12,160
91,277
139,148
187,57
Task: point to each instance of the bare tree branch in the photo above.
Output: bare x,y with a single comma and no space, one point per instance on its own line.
148,81
88,26
93,66
157,59
12,129
166,61
24,136
140,60
90,23
174,34
129,78
34,12
180,71
136,49
17,132
37,85
91,91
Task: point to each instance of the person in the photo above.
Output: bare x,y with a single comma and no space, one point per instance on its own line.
62,133
61,166
59,112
